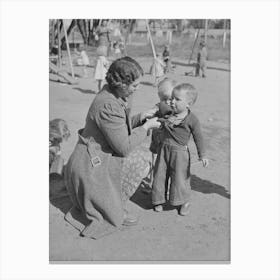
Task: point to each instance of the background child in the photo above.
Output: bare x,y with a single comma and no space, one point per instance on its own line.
157,69
102,66
201,60
173,160
166,59
58,132
83,59
165,88
117,51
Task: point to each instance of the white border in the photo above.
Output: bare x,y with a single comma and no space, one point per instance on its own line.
254,142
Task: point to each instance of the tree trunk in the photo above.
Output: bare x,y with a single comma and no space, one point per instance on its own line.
80,25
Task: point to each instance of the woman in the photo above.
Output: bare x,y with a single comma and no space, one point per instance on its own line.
106,167
103,34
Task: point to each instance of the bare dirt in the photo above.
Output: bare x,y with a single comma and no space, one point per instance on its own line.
203,235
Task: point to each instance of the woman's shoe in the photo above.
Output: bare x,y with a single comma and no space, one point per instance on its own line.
184,209
130,220
158,208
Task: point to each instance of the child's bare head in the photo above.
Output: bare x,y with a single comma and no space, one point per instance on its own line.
81,47
165,88
188,91
58,131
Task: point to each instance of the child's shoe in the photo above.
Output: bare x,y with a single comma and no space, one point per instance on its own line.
158,208
184,209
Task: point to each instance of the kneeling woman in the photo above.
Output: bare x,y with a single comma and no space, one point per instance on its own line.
107,165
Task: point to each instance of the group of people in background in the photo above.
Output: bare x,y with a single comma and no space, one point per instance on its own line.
105,48
161,64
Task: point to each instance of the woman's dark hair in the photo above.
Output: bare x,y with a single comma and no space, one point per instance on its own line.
123,71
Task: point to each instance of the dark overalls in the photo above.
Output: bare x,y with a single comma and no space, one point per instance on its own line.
173,161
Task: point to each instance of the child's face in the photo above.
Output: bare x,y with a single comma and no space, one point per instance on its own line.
180,101
165,98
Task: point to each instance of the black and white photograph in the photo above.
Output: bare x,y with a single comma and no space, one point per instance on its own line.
139,140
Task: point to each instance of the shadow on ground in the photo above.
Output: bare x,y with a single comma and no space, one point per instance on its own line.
205,186
142,197
147,83
85,91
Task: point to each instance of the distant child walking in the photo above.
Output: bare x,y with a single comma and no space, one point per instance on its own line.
157,69
201,60
166,59
102,66
173,160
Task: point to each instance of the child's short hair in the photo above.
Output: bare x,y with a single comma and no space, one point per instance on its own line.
190,91
81,47
165,87
58,131
202,44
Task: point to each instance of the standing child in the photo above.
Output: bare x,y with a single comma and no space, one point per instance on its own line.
201,60
83,59
102,66
165,88
117,51
166,59
173,160
157,69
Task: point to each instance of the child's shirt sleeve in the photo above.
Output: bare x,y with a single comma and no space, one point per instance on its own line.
197,136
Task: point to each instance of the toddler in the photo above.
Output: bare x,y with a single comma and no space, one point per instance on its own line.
165,88
201,60
173,159
117,51
166,59
102,66
58,132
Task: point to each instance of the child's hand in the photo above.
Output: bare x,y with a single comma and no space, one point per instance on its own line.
149,114
205,162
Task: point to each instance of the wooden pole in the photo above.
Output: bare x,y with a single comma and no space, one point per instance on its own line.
151,40
53,32
196,38
206,31
225,33
59,43
68,50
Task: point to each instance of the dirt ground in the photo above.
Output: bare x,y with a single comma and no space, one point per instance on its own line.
203,235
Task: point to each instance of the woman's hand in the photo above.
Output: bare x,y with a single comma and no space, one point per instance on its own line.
151,123
149,114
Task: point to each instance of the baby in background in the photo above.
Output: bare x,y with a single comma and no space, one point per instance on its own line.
58,132
117,50
173,156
